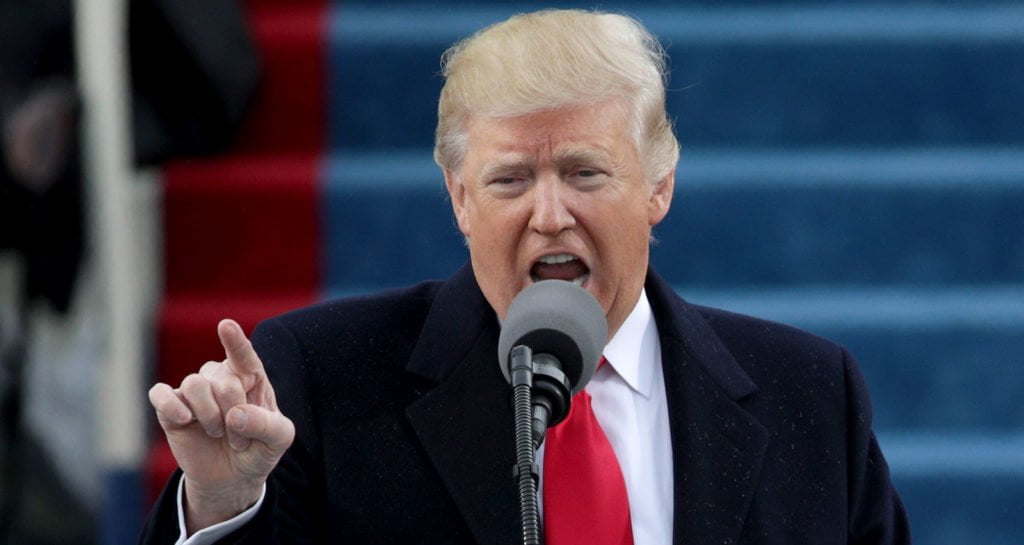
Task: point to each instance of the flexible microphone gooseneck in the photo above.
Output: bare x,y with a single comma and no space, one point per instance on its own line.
550,344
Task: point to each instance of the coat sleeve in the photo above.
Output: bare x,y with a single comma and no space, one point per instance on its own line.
876,515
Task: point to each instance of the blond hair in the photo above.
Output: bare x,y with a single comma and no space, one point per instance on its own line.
555,58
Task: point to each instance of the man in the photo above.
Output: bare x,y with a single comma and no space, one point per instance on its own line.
385,419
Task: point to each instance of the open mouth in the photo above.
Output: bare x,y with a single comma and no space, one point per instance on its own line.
560,267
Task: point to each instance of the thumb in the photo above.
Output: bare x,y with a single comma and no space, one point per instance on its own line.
248,423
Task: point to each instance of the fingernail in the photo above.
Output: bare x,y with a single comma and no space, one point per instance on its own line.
237,419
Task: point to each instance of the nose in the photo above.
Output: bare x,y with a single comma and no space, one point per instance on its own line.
551,213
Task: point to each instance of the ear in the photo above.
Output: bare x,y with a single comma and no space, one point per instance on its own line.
661,198
457,193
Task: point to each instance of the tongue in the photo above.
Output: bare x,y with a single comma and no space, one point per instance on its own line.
569,270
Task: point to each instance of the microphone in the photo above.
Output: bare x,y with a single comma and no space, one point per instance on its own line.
550,343
555,330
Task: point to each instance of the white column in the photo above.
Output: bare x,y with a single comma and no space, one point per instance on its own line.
102,57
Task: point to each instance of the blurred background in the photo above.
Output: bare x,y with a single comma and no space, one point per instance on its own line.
855,168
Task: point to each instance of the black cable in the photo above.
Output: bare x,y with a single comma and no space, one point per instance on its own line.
525,465
525,470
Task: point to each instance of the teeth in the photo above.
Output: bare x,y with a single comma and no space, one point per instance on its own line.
580,280
555,259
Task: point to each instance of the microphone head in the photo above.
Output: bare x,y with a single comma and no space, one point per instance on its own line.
558,318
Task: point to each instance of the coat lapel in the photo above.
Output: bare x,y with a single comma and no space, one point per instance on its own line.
465,423
717,446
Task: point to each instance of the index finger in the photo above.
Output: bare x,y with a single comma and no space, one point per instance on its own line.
241,357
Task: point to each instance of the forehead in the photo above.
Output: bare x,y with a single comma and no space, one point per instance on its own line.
578,128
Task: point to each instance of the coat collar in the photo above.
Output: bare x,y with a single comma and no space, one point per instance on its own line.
458,315
465,422
717,446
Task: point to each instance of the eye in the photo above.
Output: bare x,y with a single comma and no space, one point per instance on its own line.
588,177
507,185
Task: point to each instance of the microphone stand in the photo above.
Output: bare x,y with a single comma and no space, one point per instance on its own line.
533,415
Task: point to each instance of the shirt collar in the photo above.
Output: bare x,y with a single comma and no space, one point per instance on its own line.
634,349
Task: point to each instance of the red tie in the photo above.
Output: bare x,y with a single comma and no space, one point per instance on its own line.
584,494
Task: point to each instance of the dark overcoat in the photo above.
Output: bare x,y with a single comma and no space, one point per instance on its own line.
404,428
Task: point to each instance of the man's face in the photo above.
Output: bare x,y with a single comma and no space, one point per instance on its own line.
558,194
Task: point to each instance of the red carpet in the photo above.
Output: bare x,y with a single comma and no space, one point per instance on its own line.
242,230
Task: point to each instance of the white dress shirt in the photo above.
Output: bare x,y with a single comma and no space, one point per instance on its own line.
628,397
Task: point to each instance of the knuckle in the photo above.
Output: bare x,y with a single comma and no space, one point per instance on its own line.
226,390
285,433
210,367
161,406
289,428
158,398
204,407
219,388
207,414
192,383
168,408
155,392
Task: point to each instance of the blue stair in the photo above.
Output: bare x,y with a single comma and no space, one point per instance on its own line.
937,359
852,168
762,76
740,218
962,488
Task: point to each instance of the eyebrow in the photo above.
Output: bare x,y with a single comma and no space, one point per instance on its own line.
506,164
525,162
581,155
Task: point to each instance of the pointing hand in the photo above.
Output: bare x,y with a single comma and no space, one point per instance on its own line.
224,429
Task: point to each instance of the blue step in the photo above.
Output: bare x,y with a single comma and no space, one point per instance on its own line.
854,168
630,7
834,75
946,359
960,488
772,218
